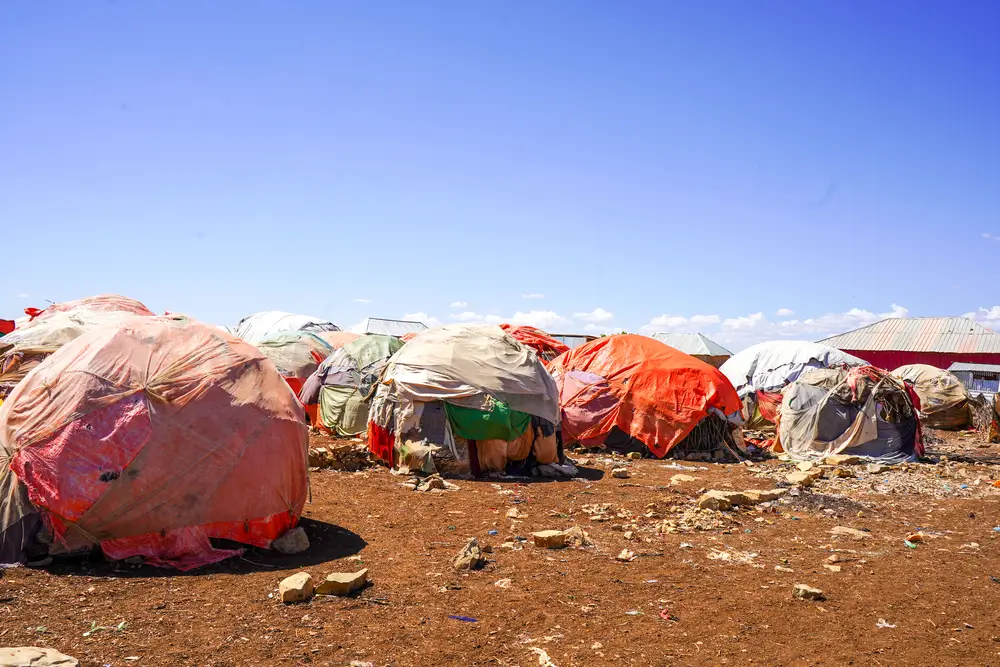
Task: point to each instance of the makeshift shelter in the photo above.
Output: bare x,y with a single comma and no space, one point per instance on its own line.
547,347
697,345
297,355
629,387
338,339
148,438
469,395
761,371
6,326
261,326
862,411
341,386
108,303
944,401
387,327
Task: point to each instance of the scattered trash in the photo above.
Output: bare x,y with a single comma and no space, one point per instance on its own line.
665,615
492,532
503,583
625,556
543,658
634,612
95,628
883,624
909,544
464,619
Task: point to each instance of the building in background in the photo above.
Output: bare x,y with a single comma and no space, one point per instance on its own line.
386,327
935,341
978,378
573,340
697,345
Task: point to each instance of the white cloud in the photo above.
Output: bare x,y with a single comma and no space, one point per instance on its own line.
470,317
363,301
23,296
739,323
988,317
598,330
422,317
543,319
784,312
533,296
597,315
680,324
990,237
459,304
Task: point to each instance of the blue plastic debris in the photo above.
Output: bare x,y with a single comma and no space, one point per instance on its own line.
492,532
464,619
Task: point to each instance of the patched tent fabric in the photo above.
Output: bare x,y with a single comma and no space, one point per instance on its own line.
261,326
296,354
342,384
862,411
643,388
944,400
148,438
32,342
481,369
109,303
547,347
338,339
761,371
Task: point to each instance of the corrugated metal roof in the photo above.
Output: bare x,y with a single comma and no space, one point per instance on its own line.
693,343
386,327
955,335
974,368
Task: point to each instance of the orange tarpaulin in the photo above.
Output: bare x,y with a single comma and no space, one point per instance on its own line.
547,347
104,303
647,389
152,436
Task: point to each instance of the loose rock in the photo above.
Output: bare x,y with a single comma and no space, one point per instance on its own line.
470,557
293,541
620,473
31,656
343,583
578,537
849,533
877,468
635,456
296,588
842,460
803,592
625,556
832,568
807,478
681,479
550,539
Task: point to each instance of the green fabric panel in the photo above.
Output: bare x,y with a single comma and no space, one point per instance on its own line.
500,423
372,348
342,409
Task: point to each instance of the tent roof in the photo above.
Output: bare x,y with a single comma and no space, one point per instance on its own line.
920,334
693,344
387,327
982,368
770,366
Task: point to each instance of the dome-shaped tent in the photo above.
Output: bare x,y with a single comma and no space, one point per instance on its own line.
761,371
338,339
107,303
547,347
149,438
637,387
469,393
343,382
944,400
862,411
296,354
261,326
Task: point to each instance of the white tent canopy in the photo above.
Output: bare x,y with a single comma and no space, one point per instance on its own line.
772,365
261,326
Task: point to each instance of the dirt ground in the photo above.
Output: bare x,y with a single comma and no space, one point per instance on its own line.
703,588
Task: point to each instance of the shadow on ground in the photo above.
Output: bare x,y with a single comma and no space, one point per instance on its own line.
327,542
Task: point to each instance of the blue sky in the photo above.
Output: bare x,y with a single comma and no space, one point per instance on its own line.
641,166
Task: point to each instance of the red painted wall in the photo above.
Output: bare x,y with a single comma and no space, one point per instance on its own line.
891,359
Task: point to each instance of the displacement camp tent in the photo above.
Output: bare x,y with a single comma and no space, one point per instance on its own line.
148,438
338,339
261,326
862,411
628,391
44,332
761,371
466,394
343,383
699,346
297,355
944,400
547,347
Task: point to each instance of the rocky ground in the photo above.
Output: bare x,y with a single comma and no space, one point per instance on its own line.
907,561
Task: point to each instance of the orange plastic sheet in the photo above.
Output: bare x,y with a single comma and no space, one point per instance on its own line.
150,437
647,389
337,339
547,347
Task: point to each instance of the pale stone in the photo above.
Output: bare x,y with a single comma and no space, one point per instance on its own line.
293,541
803,592
343,583
681,479
843,460
550,539
620,473
296,588
849,533
31,656
470,557
877,468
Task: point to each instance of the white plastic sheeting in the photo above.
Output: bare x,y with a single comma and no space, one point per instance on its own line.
397,328
772,365
261,326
